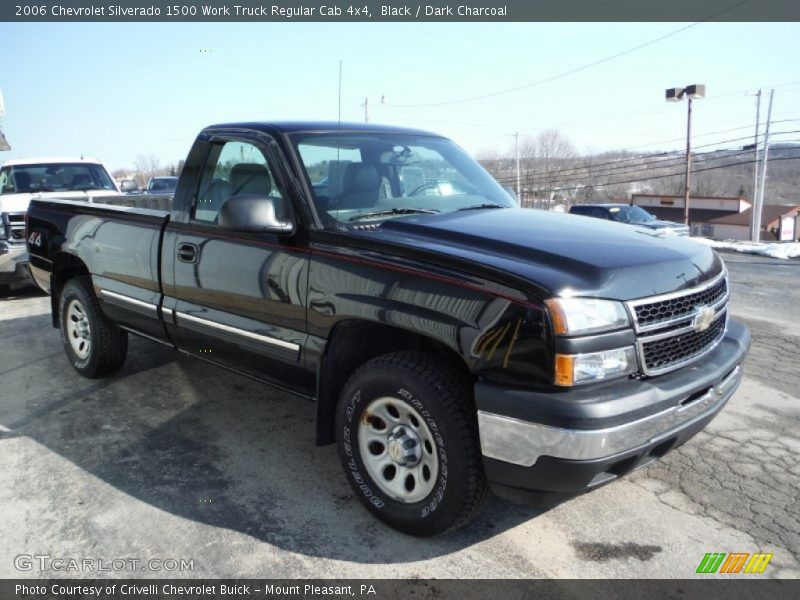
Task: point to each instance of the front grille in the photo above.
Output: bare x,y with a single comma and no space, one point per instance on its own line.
13,225
675,307
679,349
668,326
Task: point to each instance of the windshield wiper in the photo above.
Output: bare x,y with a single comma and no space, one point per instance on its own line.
479,206
394,211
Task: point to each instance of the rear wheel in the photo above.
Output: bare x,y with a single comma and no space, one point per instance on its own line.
408,442
95,346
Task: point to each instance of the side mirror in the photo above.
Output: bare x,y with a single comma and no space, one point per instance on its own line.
257,214
128,186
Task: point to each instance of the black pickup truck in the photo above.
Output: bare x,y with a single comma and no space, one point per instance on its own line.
453,342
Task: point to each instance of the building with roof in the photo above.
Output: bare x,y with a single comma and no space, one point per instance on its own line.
702,209
778,223
723,217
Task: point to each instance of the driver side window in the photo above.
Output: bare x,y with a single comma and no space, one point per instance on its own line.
232,168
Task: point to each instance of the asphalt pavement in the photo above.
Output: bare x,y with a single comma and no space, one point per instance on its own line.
172,459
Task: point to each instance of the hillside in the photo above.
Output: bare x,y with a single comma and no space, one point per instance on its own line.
615,176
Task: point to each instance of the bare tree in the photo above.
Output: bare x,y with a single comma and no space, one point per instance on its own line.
553,151
552,145
527,154
617,192
146,167
490,159
552,170
713,183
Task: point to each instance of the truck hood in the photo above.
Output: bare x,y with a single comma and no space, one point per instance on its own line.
656,224
19,202
552,254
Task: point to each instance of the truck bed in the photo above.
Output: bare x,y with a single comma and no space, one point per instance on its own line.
121,244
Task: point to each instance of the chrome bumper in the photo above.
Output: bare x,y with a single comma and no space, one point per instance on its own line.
13,258
523,442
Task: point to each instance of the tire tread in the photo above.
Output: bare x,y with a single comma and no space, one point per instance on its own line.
455,396
110,342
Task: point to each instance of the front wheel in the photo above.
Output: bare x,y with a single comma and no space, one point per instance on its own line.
408,442
95,346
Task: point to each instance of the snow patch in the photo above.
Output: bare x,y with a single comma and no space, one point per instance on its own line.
783,250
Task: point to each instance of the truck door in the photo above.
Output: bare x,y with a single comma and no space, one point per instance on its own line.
231,297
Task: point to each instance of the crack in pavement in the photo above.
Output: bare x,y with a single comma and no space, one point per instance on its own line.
774,355
742,477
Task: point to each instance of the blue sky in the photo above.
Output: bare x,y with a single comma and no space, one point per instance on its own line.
115,91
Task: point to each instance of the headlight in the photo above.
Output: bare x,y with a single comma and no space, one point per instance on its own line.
572,316
572,369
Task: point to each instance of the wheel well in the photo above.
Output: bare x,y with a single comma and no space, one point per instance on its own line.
65,267
351,344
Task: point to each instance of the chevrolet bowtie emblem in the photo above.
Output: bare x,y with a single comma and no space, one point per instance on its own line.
704,318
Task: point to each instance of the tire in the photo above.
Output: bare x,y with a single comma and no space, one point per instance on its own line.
95,346
400,417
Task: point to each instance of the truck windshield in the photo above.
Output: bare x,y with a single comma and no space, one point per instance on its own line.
359,178
630,214
163,184
54,177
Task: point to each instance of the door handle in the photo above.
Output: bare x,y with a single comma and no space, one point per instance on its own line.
187,252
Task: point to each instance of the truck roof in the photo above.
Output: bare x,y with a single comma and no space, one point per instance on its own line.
321,126
49,160
604,205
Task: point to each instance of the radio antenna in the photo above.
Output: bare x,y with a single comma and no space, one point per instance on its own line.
338,138
340,93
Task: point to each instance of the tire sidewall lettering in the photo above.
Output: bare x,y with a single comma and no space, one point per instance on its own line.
438,492
348,450
77,363
350,431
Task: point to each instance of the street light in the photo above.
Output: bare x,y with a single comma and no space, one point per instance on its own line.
676,95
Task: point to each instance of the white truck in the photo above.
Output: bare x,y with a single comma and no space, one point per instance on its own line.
22,180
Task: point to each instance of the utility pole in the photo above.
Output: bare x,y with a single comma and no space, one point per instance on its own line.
366,110
755,168
687,179
690,92
759,204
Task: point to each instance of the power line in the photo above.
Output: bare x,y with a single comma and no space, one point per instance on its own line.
613,165
696,135
546,180
582,172
727,96
576,69
663,163
358,108
562,189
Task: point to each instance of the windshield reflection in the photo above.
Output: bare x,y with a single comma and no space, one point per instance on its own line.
364,177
